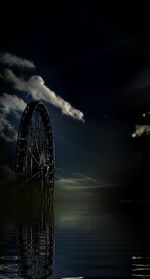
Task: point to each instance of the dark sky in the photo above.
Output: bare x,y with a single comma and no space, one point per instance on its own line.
97,57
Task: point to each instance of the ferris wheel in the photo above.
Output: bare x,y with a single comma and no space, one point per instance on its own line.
35,147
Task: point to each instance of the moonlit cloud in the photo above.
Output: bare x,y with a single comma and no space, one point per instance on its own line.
141,130
78,180
7,131
11,60
35,86
11,103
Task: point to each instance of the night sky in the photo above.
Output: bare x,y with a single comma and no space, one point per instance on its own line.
98,59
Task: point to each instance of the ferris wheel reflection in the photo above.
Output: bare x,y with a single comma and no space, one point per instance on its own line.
35,236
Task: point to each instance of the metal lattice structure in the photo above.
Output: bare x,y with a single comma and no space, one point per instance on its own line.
35,148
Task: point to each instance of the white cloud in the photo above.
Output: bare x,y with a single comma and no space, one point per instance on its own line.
36,87
141,130
7,131
10,103
13,60
78,180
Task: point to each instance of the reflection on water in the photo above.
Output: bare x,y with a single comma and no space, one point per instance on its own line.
35,244
31,227
141,267
92,238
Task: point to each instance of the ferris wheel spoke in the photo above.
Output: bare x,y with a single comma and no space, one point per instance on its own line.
35,140
35,160
43,147
37,146
33,176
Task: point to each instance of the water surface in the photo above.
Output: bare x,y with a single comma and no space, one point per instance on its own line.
82,235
